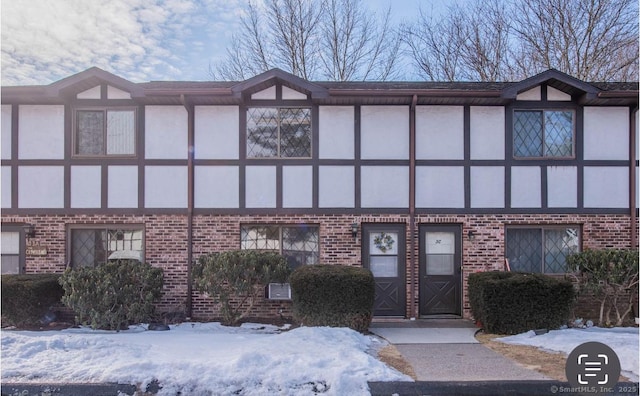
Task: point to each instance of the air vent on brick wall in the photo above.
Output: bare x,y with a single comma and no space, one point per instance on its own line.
279,291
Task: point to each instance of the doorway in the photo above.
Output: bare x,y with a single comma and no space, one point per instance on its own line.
383,252
440,270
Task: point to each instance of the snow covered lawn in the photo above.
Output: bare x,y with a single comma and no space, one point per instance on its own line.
623,340
201,358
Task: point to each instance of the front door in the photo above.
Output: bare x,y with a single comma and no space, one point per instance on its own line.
383,252
440,270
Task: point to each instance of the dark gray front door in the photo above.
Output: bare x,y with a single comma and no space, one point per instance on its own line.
383,252
440,270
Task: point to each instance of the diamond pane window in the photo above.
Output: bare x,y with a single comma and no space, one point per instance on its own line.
543,134
299,244
559,243
100,132
558,136
541,250
93,247
278,132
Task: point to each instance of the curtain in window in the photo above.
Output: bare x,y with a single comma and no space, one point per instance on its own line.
120,132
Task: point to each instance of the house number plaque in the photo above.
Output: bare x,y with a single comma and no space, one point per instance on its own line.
35,250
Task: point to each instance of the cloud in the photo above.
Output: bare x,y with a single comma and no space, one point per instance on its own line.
43,41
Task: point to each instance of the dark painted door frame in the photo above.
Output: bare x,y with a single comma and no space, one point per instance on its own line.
391,299
440,294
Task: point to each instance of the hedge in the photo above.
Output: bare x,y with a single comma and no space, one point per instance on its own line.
333,295
512,302
235,279
113,295
26,298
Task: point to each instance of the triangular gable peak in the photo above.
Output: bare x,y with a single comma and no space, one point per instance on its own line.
560,87
263,87
87,85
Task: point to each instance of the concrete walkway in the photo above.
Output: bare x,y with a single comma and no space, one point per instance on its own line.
446,350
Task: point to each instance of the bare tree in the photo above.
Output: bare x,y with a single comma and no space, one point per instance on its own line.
247,54
505,40
594,40
485,42
294,28
434,45
331,39
356,46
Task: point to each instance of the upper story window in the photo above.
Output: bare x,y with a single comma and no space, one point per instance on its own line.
543,133
541,249
91,247
282,132
104,131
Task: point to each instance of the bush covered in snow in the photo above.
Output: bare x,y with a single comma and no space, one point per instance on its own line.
333,295
113,295
27,297
235,279
513,302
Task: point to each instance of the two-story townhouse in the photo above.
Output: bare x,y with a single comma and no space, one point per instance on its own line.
421,182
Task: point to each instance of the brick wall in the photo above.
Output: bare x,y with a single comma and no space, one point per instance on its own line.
166,245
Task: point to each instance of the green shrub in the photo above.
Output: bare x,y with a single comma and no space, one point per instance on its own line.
333,295
27,297
235,279
512,302
612,275
113,295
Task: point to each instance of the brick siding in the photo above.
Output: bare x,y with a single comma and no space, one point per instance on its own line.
166,245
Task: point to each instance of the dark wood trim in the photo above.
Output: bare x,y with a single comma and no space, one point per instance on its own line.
579,154
13,162
632,175
357,161
507,187
104,192
315,154
544,182
467,162
315,212
412,206
279,186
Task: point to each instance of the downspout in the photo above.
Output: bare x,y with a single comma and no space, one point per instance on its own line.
412,203
190,202
632,175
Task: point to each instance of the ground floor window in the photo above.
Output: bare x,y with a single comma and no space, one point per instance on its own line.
298,243
94,246
10,246
541,249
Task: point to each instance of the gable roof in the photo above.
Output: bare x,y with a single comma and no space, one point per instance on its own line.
556,79
268,78
325,92
90,78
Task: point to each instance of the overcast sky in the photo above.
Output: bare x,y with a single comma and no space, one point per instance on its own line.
140,40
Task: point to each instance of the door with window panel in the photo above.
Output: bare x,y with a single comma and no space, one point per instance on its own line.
384,254
440,270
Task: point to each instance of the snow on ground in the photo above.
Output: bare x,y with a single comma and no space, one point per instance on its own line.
201,358
623,340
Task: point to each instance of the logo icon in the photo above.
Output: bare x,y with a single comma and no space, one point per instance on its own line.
593,364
